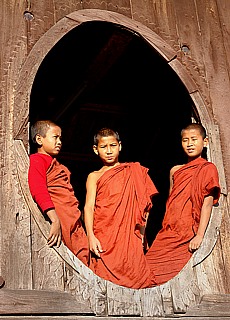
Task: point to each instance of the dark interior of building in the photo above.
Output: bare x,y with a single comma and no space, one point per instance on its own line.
104,75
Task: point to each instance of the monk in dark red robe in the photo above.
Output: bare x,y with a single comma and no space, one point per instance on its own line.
50,186
123,199
169,251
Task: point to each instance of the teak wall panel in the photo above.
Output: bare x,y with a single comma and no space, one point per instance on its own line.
225,232
46,14
158,16
119,6
199,28
15,266
223,6
216,70
188,32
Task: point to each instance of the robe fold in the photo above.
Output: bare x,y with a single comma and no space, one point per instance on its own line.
49,178
122,198
169,252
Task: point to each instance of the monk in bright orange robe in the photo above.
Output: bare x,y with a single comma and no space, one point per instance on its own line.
169,251
123,198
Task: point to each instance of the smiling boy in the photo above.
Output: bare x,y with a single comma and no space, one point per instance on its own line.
194,189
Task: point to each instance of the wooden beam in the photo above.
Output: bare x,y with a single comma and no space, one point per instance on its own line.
40,302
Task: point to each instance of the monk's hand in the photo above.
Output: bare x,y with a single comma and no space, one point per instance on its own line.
95,246
195,243
54,237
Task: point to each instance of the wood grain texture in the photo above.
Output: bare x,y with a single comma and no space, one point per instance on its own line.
40,301
212,305
203,27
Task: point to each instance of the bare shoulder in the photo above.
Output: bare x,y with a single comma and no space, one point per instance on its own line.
175,168
94,176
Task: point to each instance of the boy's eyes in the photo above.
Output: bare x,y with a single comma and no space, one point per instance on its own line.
193,139
111,145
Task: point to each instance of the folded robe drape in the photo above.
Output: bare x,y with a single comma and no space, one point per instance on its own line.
169,253
50,186
123,196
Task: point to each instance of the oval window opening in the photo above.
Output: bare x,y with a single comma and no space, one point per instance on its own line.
101,74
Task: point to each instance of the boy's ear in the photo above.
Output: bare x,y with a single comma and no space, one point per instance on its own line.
120,146
95,149
205,142
38,139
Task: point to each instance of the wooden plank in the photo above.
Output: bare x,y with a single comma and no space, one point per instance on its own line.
122,300
120,6
167,298
189,35
40,302
15,261
100,297
183,75
213,274
151,302
185,289
224,232
211,234
160,17
217,305
15,230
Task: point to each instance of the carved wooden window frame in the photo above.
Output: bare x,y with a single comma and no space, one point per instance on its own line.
158,295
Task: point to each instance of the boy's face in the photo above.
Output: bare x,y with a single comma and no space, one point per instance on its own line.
193,143
108,149
51,143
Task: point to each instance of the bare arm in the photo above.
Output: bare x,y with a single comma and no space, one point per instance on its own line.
171,180
204,219
94,244
172,171
54,237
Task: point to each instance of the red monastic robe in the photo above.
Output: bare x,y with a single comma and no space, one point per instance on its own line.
169,253
55,182
123,195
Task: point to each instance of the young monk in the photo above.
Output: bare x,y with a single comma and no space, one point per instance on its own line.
49,183
118,200
194,189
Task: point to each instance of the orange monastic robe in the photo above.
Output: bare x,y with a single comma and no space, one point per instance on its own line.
169,253
66,206
123,194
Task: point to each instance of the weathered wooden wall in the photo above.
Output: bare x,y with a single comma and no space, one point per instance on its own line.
198,32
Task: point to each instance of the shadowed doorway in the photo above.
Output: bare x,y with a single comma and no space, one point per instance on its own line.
102,74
